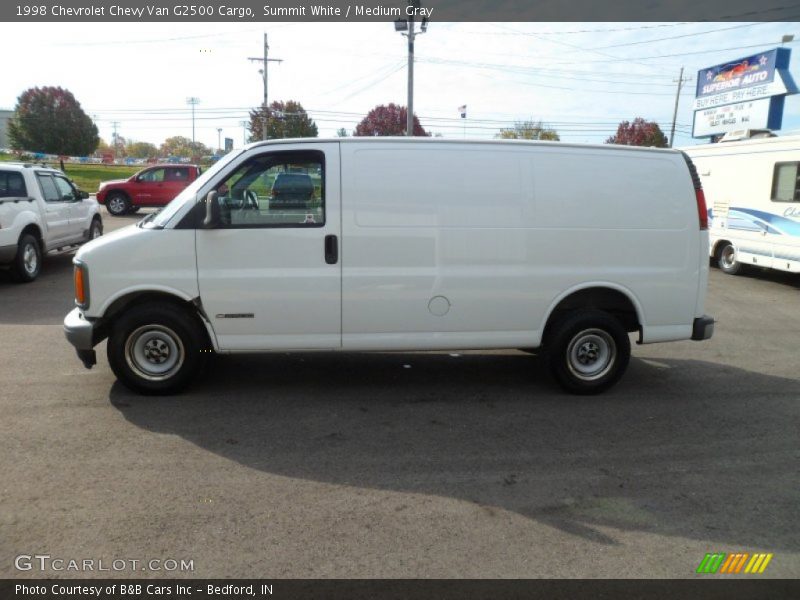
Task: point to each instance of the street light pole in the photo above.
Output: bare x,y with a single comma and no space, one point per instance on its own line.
403,25
219,138
410,103
193,102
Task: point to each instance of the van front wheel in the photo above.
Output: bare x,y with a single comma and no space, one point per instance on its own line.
156,349
588,351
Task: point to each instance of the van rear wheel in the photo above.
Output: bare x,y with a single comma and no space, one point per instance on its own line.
588,351
157,349
727,259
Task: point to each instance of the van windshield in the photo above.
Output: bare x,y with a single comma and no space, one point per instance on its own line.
189,193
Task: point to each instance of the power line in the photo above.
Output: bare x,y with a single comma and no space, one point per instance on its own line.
685,35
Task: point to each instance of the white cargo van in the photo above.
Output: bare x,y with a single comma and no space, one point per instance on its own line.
404,244
753,191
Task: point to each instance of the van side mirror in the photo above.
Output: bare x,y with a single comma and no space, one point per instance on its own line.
83,195
213,219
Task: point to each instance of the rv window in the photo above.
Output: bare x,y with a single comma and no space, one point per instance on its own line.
786,183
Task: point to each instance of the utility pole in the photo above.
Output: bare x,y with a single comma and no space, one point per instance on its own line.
193,102
115,124
219,138
264,73
408,25
679,81
244,125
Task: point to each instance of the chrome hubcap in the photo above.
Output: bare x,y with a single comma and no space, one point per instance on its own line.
30,259
591,354
154,352
116,205
729,256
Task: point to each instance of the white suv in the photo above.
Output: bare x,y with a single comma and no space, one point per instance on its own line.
41,210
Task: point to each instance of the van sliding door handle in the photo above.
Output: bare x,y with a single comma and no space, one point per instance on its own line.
331,249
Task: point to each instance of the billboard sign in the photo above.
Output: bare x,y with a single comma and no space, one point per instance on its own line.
746,93
742,115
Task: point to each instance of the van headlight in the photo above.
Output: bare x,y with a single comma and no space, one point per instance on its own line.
80,278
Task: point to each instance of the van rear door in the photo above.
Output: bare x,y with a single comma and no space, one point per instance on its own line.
270,275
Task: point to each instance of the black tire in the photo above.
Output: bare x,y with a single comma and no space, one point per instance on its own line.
28,262
727,259
587,351
133,210
157,348
118,204
96,228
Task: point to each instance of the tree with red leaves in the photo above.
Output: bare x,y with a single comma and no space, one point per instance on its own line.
50,120
387,119
639,133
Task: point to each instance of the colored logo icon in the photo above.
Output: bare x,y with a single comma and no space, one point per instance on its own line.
735,563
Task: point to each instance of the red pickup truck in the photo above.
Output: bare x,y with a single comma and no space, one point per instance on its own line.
153,186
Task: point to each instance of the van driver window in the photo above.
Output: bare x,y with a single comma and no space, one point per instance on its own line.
786,182
285,189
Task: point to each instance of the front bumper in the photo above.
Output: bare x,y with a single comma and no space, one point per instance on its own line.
82,334
703,328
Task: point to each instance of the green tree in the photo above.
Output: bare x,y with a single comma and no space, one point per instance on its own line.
184,147
639,133
529,130
389,119
341,132
51,120
286,120
141,150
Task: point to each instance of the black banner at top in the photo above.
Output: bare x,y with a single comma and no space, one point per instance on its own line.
391,10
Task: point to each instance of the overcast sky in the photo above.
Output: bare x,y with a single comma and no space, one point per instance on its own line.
580,78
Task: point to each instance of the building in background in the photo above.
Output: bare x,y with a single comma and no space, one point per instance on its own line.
5,115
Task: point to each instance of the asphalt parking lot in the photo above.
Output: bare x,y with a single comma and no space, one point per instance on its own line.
406,465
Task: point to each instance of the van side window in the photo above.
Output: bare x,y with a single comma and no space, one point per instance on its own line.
12,185
278,189
786,182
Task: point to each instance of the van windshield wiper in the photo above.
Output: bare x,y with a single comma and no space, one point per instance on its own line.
147,219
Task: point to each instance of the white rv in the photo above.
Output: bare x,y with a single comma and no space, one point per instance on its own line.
752,188
376,244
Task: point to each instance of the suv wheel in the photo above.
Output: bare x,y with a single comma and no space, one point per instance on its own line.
28,261
588,351
96,229
157,349
118,204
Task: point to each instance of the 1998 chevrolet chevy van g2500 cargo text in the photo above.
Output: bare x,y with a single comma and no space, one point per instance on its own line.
405,244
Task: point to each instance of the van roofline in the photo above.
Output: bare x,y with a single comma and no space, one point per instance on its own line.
429,140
